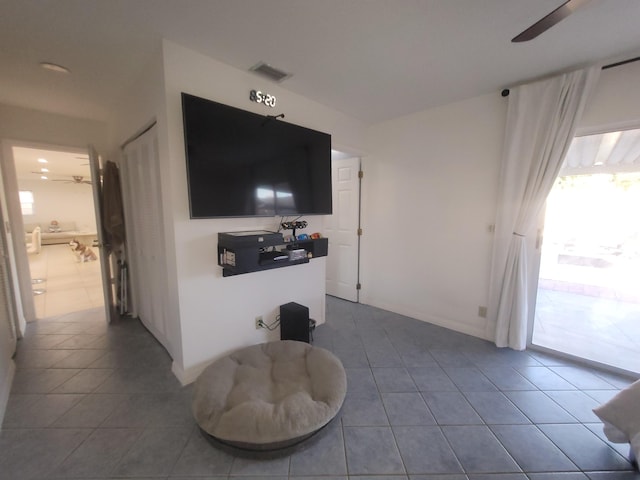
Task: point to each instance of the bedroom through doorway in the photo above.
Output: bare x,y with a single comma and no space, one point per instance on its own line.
57,203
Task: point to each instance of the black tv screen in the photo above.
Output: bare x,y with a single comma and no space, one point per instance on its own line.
243,164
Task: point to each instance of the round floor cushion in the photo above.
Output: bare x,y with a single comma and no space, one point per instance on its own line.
269,396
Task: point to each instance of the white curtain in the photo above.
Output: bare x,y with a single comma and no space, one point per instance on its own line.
541,123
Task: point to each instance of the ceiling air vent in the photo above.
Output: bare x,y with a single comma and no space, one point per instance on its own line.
270,72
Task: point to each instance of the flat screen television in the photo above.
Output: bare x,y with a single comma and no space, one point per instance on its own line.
241,164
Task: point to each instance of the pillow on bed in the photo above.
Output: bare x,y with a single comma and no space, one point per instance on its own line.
623,413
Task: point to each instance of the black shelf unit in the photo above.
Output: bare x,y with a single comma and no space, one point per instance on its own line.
247,252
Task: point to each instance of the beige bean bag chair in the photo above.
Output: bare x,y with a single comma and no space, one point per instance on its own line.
269,396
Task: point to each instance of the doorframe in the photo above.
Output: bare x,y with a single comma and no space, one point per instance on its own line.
342,154
9,291
536,254
23,298
360,177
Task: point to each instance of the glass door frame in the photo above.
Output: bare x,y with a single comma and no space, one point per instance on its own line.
534,250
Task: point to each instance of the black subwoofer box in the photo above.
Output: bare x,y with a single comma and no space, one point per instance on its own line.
294,322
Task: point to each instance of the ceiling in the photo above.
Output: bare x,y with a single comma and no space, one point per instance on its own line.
371,59
60,166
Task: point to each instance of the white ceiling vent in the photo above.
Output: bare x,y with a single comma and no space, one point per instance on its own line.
270,72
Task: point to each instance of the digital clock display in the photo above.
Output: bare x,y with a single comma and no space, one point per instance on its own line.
262,97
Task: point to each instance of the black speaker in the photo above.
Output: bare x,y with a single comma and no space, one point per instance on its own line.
294,322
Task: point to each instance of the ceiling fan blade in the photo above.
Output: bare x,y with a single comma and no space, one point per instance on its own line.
541,26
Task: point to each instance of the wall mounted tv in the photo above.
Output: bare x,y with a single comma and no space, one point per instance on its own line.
242,164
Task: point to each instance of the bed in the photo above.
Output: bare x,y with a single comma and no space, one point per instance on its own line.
63,233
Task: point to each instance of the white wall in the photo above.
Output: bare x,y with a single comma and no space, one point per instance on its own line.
144,104
64,202
214,314
429,196
28,125
616,102
217,314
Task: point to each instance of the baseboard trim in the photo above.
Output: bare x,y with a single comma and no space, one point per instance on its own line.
5,389
478,331
185,377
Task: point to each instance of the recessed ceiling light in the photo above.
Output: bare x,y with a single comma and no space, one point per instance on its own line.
44,177
43,160
54,67
44,170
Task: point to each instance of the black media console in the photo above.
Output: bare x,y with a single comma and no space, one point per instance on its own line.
254,251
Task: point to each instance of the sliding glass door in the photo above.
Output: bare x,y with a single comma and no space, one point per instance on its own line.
588,298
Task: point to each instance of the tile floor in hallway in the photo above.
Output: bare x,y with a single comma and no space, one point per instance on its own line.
69,285
423,403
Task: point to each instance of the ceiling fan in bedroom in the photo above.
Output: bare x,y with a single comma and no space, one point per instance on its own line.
77,179
548,21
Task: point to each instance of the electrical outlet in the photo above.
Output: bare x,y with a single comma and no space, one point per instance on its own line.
259,322
482,312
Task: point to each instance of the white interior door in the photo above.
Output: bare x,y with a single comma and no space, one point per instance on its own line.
8,335
105,266
145,233
7,317
9,296
342,230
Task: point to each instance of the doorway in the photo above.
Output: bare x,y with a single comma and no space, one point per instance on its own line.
57,205
588,299
343,229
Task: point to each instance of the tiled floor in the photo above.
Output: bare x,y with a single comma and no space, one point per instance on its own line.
423,403
69,285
